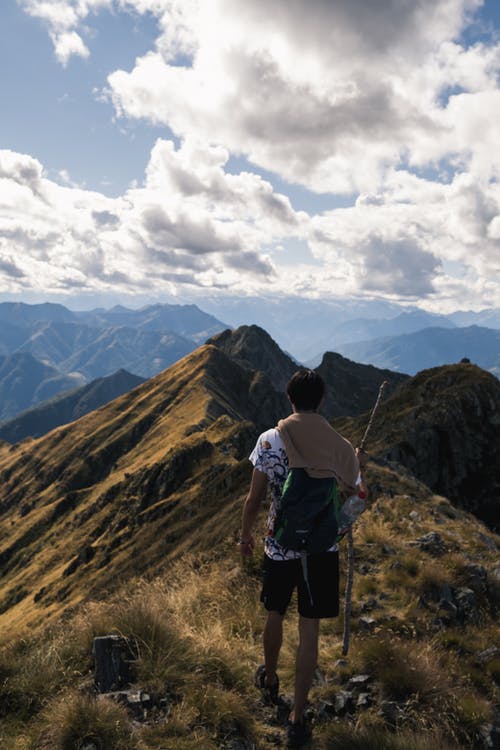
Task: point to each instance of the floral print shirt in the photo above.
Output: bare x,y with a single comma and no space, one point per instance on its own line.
269,457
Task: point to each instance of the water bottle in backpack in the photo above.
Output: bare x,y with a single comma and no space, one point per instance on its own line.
351,510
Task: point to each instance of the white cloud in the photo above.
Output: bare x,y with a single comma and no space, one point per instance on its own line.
190,222
399,240
62,18
348,96
325,94
68,44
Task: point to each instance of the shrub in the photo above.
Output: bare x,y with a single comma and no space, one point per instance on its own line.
434,577
340,736
75,721
472,714
403,669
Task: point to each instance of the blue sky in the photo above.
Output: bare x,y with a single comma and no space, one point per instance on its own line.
53,112
64,104
159,149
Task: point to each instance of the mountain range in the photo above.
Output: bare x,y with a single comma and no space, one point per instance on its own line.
430,347
81,346
308,327
47,349
353,386
136,470
366,329
124,521
67,406
186,320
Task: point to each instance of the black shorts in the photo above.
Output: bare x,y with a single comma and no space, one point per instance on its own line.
280,577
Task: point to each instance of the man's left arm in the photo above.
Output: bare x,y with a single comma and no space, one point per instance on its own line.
254,499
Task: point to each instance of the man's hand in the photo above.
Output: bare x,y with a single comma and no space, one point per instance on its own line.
362,458
256,494
246,547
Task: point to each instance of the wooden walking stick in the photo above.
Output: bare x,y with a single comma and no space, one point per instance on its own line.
350,544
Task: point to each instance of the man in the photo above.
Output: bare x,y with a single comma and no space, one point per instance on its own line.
303,440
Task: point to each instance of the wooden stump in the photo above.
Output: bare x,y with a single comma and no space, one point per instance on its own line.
114,657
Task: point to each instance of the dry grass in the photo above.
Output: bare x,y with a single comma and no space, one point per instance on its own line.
346,738
197,639
75,721
198,636
198,631
404,669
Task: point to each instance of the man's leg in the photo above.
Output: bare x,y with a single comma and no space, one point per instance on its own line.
272,637
279,581
307,659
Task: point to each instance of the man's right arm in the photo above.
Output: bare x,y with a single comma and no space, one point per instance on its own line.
362,457
254,499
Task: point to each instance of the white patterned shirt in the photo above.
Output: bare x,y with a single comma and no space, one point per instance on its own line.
269,457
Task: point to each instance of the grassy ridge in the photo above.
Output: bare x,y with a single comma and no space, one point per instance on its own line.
198,632
124,522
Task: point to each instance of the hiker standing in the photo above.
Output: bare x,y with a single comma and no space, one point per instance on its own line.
304,440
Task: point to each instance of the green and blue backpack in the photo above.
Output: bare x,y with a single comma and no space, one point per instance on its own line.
306,521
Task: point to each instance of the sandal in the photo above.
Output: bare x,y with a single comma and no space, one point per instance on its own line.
298,734
270,693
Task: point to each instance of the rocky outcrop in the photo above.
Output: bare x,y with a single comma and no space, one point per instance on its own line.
254,349
443,425
352,388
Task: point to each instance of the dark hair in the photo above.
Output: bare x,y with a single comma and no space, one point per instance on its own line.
305,390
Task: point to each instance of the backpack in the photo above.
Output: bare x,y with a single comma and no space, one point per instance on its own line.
307,517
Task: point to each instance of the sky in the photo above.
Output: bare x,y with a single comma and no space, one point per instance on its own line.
171,150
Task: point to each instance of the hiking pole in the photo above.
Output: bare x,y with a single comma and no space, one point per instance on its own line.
350,544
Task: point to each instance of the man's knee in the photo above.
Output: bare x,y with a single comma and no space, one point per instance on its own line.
273,624
275,616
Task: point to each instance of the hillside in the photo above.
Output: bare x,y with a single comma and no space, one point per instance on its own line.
67,407
124,521
430,347
109,486
442,426
95,352
353,388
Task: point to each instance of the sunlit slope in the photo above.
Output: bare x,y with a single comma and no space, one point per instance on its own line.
148,476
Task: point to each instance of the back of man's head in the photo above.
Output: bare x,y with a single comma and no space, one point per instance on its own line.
305,390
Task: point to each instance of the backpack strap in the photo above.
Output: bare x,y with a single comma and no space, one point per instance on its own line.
303,560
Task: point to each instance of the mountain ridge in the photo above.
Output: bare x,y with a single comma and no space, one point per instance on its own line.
431,347
155,451
67,406
125,522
